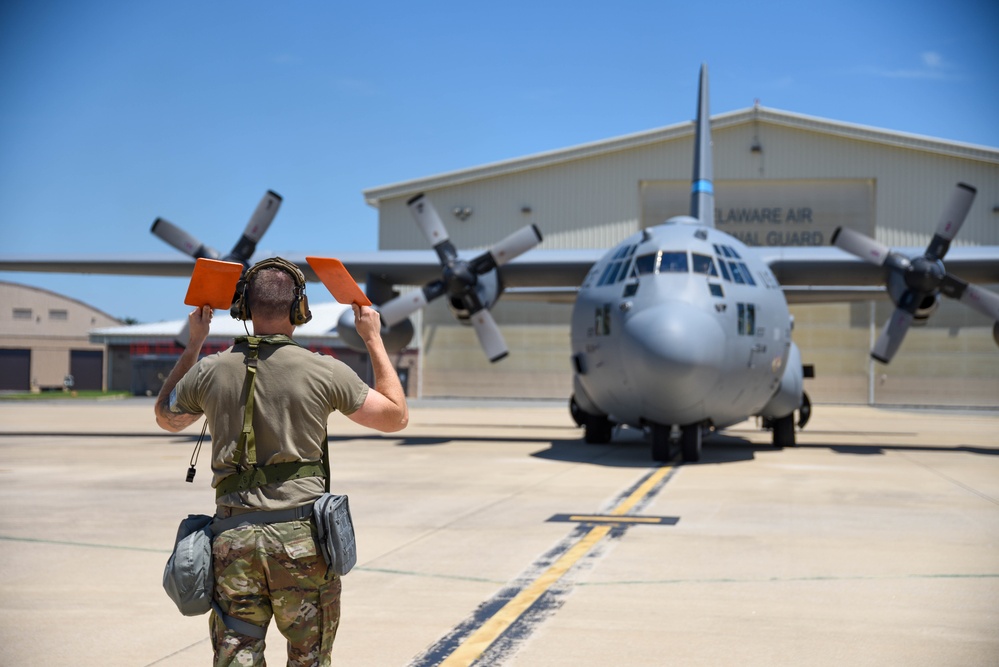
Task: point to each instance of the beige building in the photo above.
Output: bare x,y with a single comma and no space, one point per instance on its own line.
44,341
780,179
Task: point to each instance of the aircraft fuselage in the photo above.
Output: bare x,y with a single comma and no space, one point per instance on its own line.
680,324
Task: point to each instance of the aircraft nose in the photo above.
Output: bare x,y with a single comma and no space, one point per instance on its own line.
680,349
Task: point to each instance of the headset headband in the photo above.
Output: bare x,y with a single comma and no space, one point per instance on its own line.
300,313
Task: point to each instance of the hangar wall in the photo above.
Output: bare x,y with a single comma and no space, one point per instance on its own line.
590,196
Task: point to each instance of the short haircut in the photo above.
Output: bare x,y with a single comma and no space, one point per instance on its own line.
271,293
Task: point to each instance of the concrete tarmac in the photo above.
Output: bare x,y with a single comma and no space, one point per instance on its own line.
490,534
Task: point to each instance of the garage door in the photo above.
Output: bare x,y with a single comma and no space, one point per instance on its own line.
15,370
87,369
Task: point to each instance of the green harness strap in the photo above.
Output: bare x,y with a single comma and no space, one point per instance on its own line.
254,476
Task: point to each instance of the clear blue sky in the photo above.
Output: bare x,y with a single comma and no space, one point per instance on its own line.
115,112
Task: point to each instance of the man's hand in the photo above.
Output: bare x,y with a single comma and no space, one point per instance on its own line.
368,323
199,322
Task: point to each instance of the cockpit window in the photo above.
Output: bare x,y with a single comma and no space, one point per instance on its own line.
610,273
726,251
724,269
625,251
662,262
673,262
618,269
704,264
736,273
647,263
728,262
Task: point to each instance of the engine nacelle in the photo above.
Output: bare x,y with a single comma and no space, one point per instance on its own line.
488,288
395,338
790,392
928,306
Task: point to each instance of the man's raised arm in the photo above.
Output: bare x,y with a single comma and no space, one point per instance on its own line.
199,321
385,407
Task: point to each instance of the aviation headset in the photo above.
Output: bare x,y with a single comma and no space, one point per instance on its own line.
300,313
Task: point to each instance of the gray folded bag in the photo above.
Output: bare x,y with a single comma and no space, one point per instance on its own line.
336,532
188,578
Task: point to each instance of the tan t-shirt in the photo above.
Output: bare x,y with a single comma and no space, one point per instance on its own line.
294,393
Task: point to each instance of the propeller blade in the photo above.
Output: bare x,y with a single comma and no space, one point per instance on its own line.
951,221
516,244
860,245
261,219
489,335
460,279
428,220
892,335
401,307
181,240
984,301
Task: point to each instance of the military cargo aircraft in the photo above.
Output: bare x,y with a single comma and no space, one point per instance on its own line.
679,330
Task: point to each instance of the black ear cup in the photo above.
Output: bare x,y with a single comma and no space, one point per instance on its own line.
240,309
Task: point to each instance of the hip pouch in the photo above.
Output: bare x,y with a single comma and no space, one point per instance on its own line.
187,577
336,532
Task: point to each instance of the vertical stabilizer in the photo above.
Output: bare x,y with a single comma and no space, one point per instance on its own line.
702,192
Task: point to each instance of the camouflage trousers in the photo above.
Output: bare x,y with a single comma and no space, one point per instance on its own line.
275,570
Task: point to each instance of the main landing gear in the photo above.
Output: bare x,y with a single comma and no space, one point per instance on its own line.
597,429
665,438
784,427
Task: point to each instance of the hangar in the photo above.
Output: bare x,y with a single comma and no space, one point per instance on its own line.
140,356
780,179
44,340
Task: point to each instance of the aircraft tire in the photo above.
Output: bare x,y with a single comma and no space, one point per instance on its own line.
690,443
598,430
784,432
661,443
578,414
805,411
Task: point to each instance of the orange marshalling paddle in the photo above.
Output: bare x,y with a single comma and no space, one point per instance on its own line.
213,283
338,281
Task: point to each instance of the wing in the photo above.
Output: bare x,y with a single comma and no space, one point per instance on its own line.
536,270
162,265
828,274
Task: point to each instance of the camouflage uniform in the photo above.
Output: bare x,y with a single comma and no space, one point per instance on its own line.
274,570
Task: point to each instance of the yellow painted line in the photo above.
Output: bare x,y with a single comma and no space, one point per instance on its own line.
601,518
482,639
641,491
479,641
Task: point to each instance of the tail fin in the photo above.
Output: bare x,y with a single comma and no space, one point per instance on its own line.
702,192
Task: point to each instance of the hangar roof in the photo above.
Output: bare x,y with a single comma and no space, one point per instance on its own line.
759,114
321,329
